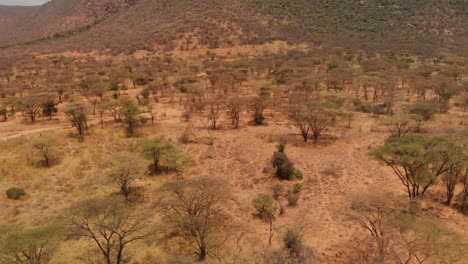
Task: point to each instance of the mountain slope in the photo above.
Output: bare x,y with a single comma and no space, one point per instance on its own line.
124,25
12,15
382,21
178,24
59,16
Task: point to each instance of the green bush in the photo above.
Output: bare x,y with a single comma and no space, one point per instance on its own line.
297,188
284,168
365,108
277,191
281,147
264,205
462,200
357,102
292,241
3,113
426,110
297,174
183,89
259,119
145,93
15,193
292,198
362,107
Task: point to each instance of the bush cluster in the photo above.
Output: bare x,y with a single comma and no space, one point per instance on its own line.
284,167
15,193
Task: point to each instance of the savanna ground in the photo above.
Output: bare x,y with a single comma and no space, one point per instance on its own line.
336,170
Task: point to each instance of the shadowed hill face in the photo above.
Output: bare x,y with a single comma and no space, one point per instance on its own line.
11,15
58,16
174,24
130,24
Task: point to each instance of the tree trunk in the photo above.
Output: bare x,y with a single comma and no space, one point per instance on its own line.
271,231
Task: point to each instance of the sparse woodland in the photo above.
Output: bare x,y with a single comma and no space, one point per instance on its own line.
275,153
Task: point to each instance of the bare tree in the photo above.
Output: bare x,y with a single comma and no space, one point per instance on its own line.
464,192
124,169
4,114
32,106
150,108
463,198
266,209
234,106
77,112
213,112
44,146
370,213
29,246
320,118
451,178
300,115
111,225
156,150
101,111
115,108
259,105
396,237
193,210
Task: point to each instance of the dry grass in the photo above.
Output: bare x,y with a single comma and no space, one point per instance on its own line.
336,168
240,156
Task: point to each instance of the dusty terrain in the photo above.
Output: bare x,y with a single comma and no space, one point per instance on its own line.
241,156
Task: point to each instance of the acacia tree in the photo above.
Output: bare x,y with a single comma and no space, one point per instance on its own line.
193,211
463,197
77,112
401,125
111,224
129,110
266,210
371,214
101,110
29,246
464,192
234,106
156,150
456,167
417,160
450,179
400,238
124,169
4,114
150,109
299,114
92,88
213,112
176,161
48,109
420,240
32,106
115,108
259,105
321,116
44,146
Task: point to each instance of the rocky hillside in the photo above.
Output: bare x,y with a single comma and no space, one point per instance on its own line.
10,16
124,25
56,17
